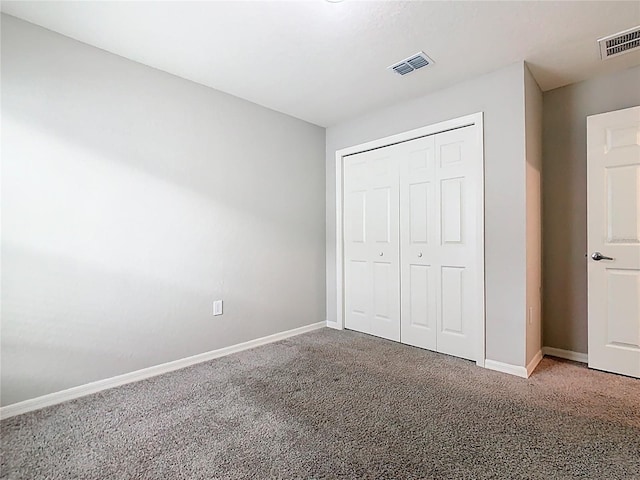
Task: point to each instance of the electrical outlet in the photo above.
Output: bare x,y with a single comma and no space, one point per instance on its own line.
217,307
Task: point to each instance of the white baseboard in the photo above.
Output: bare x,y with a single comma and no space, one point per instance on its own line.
525,372
566,354
506,368
534,363
94,387
333,325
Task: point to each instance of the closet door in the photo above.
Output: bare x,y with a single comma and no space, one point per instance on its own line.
439,181
418,243
458,176
371,243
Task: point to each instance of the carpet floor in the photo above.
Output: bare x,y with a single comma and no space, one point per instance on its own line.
331,404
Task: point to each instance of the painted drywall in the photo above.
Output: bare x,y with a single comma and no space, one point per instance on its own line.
533,151
500,95
565,199
131,199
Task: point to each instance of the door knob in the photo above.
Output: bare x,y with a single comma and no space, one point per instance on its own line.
420,255
597,256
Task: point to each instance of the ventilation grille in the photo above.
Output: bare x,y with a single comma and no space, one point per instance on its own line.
411,64
620,43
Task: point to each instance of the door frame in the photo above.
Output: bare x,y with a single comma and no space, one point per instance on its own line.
477,121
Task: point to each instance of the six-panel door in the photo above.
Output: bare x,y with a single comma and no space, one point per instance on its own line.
613,214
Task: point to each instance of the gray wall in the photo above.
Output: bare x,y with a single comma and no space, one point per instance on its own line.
131,199
533,141
500,95
565,199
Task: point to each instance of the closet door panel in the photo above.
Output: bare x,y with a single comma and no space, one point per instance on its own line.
417,237
371,216
457,176
357,286
384,249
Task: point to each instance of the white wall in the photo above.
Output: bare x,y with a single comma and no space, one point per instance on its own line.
500,95
565,199
131,199
533,150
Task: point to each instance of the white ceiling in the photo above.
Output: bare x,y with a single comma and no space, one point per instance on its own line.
326,62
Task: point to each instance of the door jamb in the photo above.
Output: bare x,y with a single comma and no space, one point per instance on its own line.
475,120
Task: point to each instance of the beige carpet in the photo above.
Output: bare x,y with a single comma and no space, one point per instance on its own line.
334,404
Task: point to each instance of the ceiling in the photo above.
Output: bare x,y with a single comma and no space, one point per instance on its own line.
326,62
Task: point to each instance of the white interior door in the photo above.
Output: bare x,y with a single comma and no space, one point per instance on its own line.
613,158
418,243
371,245
440,191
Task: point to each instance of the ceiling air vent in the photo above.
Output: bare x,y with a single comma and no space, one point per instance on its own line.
414,62
619,43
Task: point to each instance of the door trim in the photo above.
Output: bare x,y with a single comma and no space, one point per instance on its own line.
475,120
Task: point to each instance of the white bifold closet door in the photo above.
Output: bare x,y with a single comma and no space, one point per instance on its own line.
411,270
439,175
371,244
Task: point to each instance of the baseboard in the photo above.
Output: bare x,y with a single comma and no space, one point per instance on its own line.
100,385
333,325
566,354
531,366
506,368
525,372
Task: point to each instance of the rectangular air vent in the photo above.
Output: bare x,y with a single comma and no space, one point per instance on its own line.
619,43
412,63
